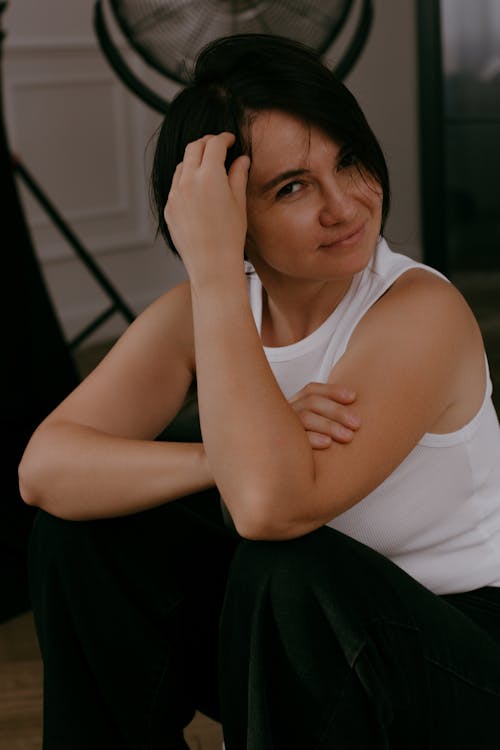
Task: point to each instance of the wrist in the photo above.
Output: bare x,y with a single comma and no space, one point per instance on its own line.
203,467
219,277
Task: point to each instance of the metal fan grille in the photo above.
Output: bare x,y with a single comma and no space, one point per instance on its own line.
168,34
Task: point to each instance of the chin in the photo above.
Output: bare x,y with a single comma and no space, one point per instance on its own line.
344,264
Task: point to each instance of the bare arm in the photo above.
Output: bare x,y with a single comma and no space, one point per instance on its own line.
95,455
100,476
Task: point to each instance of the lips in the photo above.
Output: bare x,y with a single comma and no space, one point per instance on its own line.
349,238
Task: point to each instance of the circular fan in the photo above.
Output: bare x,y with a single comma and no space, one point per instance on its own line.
168,34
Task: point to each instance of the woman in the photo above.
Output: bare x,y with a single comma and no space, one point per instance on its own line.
359,602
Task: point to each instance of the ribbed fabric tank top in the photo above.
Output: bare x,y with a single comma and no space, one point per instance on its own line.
437,515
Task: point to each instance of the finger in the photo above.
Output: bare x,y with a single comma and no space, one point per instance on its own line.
193,156
177,175
194,151
238,178
317,423
216,148
328,409
335,392
318,441
340,434
173,187
340,393
337,413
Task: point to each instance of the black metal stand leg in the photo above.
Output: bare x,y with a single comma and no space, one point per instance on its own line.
118,305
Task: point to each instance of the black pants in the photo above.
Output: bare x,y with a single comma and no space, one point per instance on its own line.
321,644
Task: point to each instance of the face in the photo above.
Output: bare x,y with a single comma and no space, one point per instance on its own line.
312,213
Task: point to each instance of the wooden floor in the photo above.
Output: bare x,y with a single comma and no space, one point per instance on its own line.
21,694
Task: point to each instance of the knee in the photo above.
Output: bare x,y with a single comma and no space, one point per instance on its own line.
299,588
284,568
54,540
324,565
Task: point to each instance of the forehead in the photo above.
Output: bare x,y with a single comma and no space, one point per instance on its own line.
281,142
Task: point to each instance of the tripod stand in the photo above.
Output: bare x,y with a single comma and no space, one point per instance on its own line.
117,303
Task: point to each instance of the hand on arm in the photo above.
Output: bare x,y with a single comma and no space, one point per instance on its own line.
411,376
323,409
275,486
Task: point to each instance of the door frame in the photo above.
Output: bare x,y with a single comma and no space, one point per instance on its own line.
431,134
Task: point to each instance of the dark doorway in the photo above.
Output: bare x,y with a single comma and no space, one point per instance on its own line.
459,48
471,73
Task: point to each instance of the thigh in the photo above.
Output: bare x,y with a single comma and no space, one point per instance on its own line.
425,670
482,606
139,597
155,556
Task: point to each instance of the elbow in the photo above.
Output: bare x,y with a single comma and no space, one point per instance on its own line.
249,512
43,478
255,533
35,473
33,483
250,530
28,485
261,521
270,531
32,493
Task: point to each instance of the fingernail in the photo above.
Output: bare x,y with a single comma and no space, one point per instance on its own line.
324,439
344,432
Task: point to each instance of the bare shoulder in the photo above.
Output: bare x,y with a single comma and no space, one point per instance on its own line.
161,334
172,304
430,291
142,382
422,304
178,297
171,313
424,316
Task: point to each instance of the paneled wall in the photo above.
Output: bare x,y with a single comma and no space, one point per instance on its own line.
84,137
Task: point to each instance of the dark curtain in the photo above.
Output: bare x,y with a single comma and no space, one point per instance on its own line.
38,373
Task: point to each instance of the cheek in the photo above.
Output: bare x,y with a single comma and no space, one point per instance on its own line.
293,222
377,210
369,192
377,198
261,232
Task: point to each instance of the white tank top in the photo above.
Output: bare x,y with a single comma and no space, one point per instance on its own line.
437,515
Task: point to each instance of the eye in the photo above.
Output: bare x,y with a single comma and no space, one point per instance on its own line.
347,159
289,189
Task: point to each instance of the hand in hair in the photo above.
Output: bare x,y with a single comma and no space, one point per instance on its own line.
206,208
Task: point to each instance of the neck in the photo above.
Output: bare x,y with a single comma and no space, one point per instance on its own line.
292,311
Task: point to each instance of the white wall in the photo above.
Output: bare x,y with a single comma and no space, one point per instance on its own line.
385,83
83,136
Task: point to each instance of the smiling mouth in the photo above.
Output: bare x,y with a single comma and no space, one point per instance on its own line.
349,239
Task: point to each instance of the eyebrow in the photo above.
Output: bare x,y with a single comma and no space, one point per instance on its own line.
289,173
281,178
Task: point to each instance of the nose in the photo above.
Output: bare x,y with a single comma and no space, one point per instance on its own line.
338,204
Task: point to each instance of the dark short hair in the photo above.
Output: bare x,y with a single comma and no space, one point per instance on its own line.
237,76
